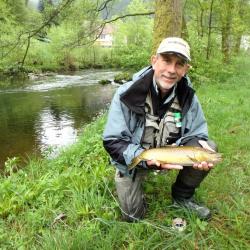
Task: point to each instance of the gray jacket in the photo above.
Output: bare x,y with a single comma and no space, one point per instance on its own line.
126,119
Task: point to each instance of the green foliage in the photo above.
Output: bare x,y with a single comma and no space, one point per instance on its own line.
202,71
219,40
104,82
133,38
131,57
71,34
8,29
11,165
122,77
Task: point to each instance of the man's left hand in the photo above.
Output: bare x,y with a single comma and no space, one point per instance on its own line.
205,166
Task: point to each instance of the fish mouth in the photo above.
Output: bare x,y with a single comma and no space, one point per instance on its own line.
218,158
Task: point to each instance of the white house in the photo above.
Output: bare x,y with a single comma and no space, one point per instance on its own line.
245,42
106,37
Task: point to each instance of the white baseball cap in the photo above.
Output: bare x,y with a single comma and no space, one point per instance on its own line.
175,45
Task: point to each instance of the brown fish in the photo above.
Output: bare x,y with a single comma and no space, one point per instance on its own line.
184,155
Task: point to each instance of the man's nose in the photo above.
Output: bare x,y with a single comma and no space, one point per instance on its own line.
171,68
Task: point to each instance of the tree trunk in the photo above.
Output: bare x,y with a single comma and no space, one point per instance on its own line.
184,29
226,30
237,43
26,51
209,30
167,22
200,26
225,47
240,27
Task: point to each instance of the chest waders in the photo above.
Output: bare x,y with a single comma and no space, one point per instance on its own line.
161,131
158,132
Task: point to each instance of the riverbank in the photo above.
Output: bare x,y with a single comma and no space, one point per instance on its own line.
69,202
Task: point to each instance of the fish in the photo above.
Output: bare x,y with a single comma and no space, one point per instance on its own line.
179,155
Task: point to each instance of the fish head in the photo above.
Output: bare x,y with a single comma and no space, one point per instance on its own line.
215,158
209,156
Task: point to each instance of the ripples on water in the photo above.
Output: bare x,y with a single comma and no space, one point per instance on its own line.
55,132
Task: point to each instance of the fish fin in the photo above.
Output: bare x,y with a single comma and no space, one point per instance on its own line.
134,162
192,159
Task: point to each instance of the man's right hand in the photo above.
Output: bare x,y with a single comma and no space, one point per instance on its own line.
163,166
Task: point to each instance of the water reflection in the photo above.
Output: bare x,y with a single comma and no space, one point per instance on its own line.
50,112
54,129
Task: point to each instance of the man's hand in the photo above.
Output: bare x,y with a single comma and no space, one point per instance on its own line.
204,166
164,165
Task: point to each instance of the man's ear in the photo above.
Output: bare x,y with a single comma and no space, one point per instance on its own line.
188,66
153,60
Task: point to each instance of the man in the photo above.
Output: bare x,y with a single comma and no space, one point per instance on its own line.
157,108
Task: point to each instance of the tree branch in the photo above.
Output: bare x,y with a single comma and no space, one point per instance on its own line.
100,28
45,24
103,5
36,31
128,15
51,18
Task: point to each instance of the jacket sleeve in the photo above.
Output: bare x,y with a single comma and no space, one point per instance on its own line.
195,124
117,137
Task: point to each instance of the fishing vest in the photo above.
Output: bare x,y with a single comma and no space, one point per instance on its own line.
161,132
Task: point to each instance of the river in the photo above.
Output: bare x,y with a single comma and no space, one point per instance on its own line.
48,112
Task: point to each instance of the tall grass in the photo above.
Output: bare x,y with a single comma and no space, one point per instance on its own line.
79,185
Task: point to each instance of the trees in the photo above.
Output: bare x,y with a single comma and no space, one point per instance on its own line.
133,38
10,25
74,25
167,21
235,21
226,18
241,23
217,24
24,25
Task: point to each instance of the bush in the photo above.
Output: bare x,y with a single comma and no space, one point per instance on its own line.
122,77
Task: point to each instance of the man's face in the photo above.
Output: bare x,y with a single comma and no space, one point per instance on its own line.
168,70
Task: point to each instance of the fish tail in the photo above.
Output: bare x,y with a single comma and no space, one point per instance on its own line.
218,157
134,162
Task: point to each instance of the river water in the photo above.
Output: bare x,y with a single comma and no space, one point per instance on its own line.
48,112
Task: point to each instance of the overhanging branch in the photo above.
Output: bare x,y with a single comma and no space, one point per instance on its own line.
104,5
100,28
128,15
51,18
33,33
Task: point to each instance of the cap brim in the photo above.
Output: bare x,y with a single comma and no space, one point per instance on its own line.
177,54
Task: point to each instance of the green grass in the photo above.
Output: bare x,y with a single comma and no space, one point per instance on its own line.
79,183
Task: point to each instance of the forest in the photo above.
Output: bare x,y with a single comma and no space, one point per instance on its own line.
65,35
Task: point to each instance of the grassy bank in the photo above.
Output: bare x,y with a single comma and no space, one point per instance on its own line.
78,187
